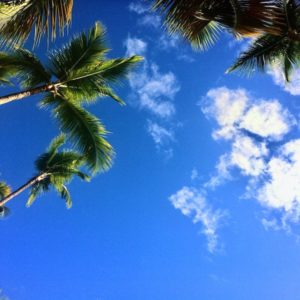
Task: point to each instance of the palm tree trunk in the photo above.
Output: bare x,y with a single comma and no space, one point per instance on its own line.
24,187
27,93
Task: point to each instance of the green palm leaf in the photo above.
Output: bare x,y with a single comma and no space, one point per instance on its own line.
24,65
84,72
87,84
83,52
84,130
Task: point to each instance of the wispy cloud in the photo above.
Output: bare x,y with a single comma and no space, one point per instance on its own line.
161,135
150,20
154,92
146,16
138,7
192,203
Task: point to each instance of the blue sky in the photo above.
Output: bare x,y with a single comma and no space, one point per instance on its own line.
203,200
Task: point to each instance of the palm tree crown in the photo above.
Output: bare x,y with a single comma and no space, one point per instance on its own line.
54,169
274,25
75,75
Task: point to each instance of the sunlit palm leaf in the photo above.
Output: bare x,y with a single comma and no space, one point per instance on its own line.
44,15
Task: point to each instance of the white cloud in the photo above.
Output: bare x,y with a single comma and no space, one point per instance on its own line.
160,134
281,190
193,204
268,119
135,46
236,111
248,155
155,90
293,87
227,107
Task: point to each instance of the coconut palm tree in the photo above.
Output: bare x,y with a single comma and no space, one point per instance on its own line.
75,75
18,17
273,25
54,169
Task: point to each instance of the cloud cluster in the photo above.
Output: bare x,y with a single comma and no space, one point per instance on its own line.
256,130
192,203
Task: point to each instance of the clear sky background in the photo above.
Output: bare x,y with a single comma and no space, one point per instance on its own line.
203,200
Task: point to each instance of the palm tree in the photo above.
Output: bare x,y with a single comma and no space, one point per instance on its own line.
273,25
54,169
75,75
18,17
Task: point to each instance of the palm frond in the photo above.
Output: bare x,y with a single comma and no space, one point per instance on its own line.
114,70
83,52
84,72
88,84
185,17
84,130
36,190
191,18
263,52
26,66
44,15
56,143
64,194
